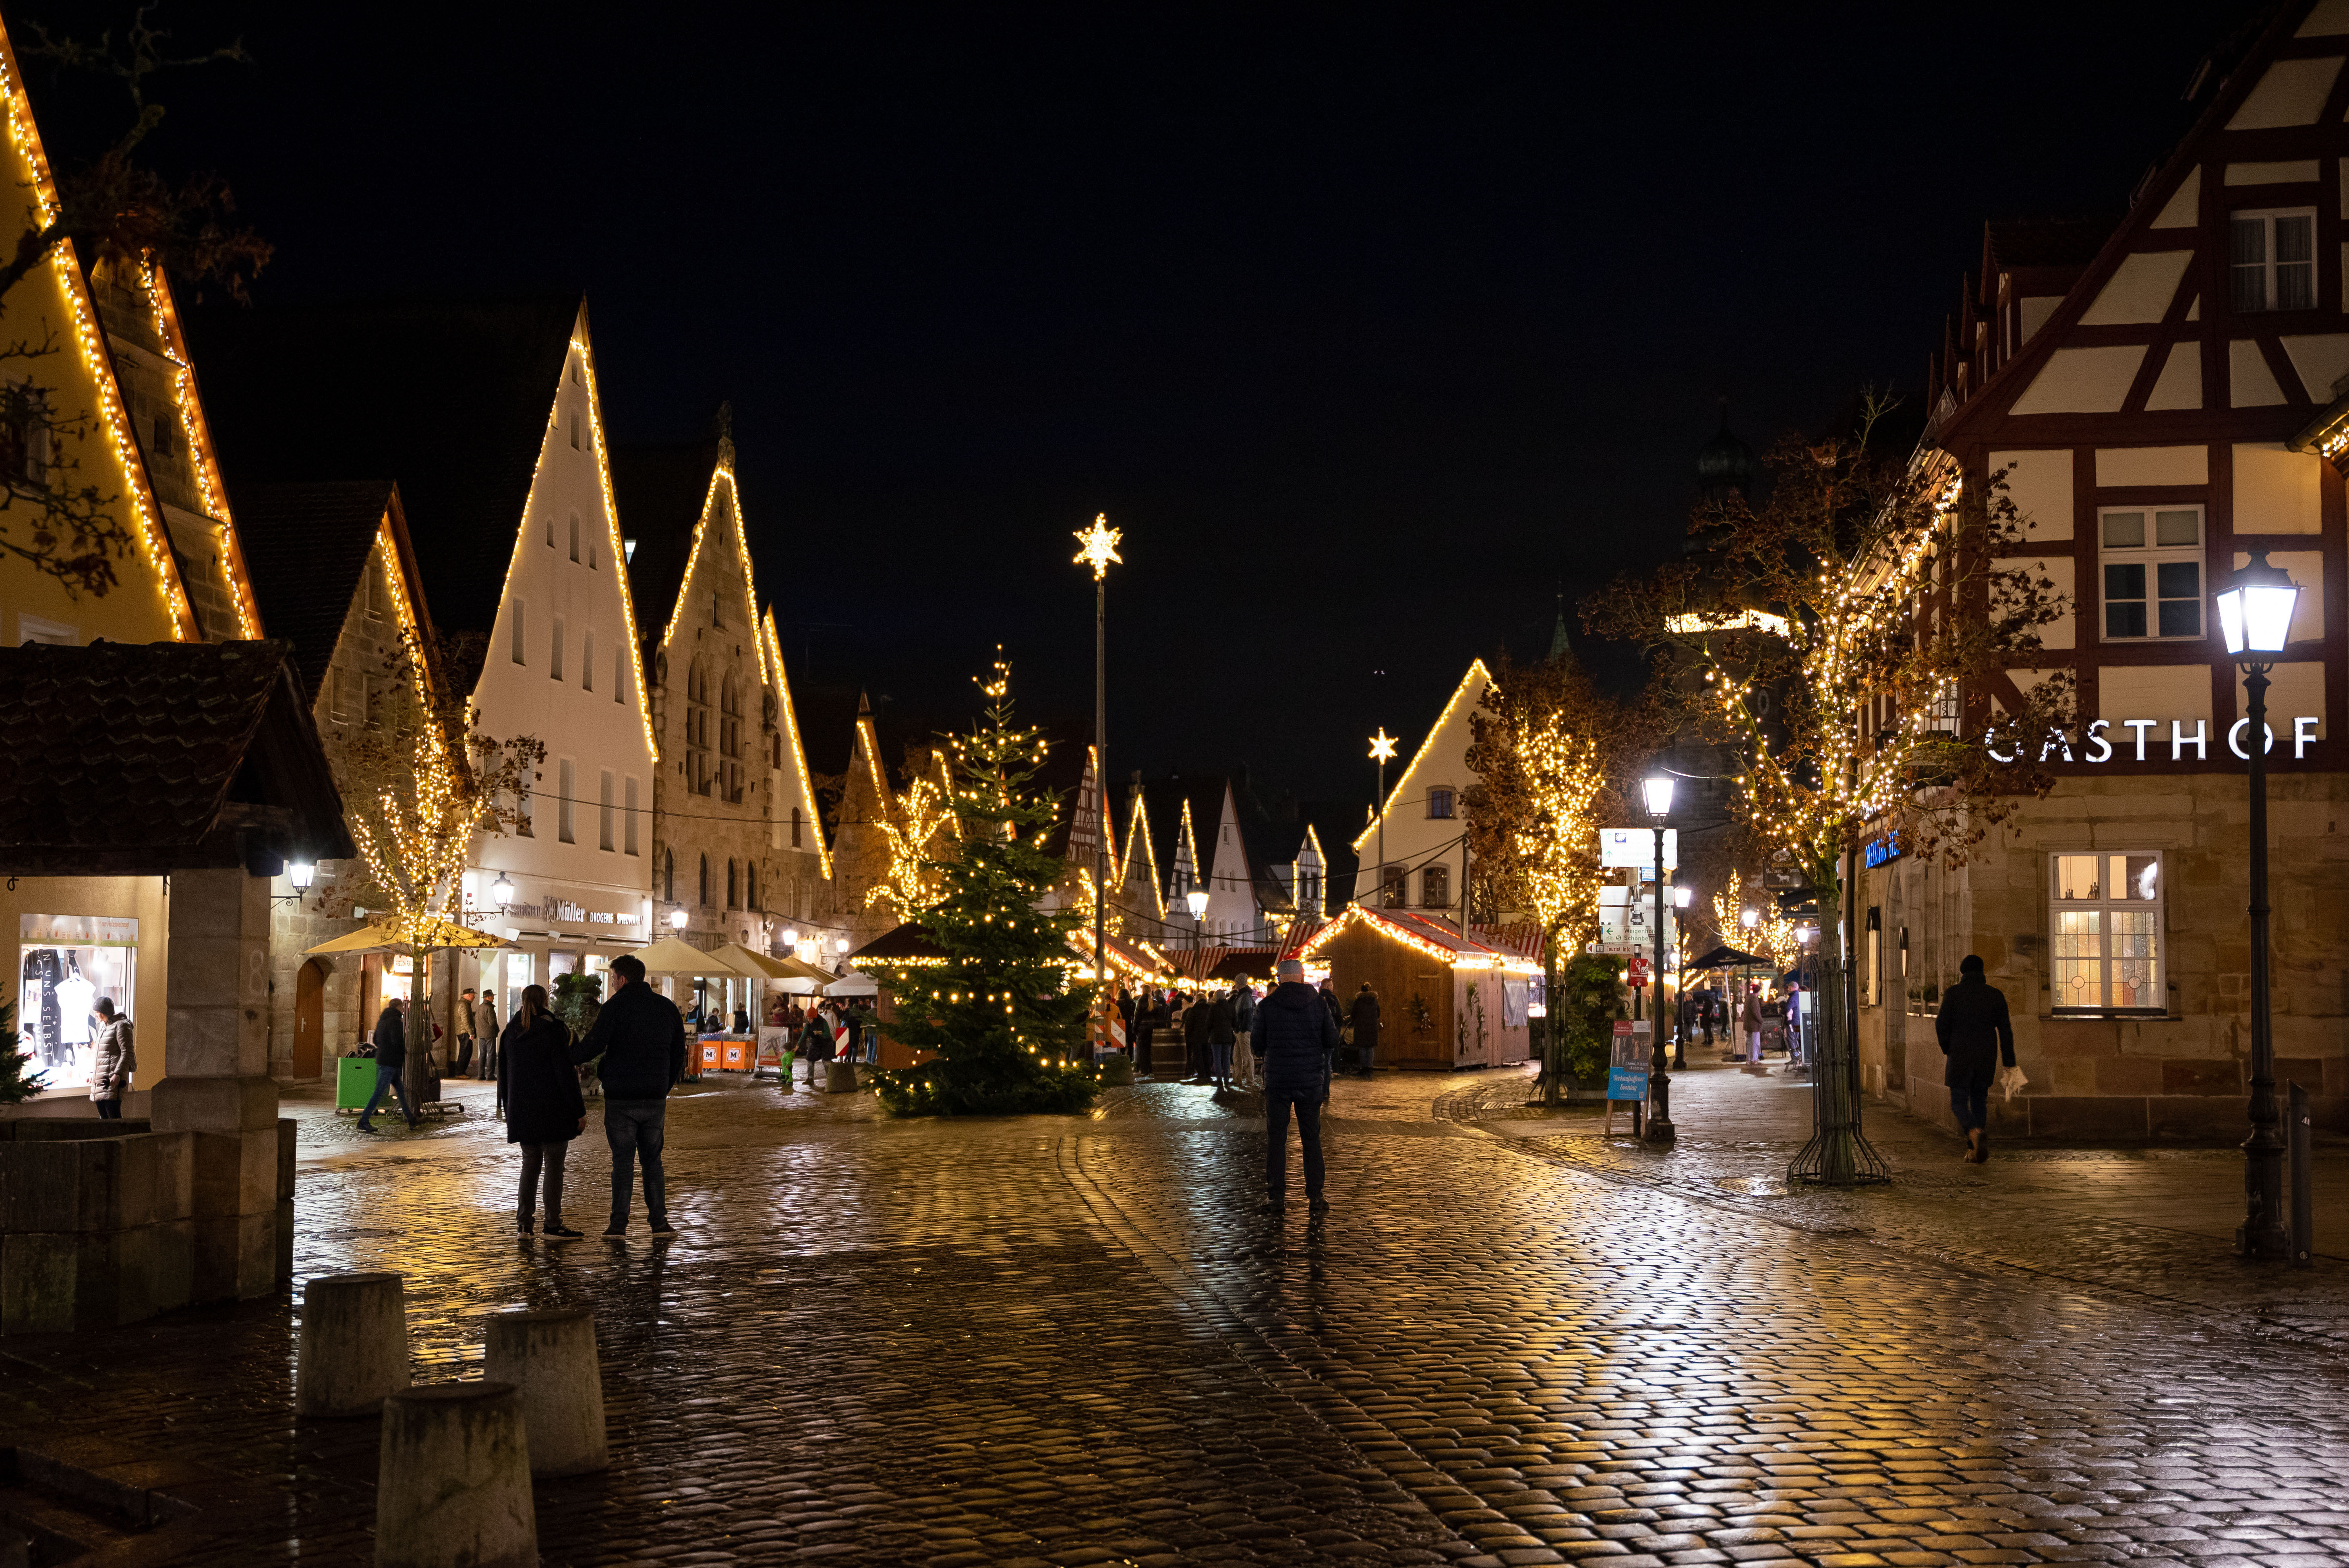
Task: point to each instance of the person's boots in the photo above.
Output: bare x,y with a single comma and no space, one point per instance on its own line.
1981,1145
1974,1146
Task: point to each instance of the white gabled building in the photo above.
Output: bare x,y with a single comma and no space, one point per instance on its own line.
1413,847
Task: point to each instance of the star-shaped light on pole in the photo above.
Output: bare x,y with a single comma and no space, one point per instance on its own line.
1382,750
1383,744
1100,543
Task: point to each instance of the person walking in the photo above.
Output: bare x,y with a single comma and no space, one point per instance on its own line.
1750,1020
641,1040
463,1065
1244,1063
814,1043
1294,1037
1978,1038
390,1062
485,1037
1329,1000
1195,1020
538,1094
112,1060
1366,1027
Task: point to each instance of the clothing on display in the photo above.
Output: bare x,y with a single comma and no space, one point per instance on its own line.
62,982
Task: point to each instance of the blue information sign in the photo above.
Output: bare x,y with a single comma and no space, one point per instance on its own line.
1626,1083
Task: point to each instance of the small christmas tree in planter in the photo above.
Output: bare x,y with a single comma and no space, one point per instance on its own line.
16,1085
1005,1023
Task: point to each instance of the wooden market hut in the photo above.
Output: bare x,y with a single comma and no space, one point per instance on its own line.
1445,1000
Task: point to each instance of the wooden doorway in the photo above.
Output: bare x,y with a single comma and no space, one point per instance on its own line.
309,1021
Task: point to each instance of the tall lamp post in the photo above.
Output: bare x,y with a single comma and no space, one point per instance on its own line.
2255,617
1098,546
1382,746
1681,898
1657,789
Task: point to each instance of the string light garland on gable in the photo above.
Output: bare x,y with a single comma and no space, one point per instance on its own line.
1458,952
614,545
1476,673
154,541
798,752
196,435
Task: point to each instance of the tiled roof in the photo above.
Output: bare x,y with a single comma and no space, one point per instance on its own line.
306,548
122,759
449,398
2048,241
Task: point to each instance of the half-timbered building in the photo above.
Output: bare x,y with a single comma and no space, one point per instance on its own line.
2163,395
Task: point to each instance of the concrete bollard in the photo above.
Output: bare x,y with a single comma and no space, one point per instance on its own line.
551,1356
454,1485
840,1077
354,1348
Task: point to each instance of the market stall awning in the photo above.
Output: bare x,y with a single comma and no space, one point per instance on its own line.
673,955
1728,958
1438,939
1133,960
1206,964
421,935
791,974
908,944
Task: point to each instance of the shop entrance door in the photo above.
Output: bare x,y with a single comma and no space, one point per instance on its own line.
309,1020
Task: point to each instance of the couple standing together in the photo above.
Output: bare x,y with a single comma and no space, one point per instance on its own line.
641,1038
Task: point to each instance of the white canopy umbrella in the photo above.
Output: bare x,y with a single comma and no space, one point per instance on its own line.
856,983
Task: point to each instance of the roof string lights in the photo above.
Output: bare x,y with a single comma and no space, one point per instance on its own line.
1476,673
197,435
616,547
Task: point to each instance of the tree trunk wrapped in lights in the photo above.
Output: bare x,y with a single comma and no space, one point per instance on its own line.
1852,639
1001,1015
1550,755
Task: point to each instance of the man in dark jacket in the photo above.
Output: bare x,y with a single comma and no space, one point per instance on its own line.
1978,1038
1196,1019
642,1041
391,1063
1294,1037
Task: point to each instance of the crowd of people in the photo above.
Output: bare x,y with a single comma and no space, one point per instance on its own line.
1216,1024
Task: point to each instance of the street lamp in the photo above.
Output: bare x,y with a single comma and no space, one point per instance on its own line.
1751,918
300,874
1657,789
2255,617
1197,899
677,917
1382,749
1098,548
502,889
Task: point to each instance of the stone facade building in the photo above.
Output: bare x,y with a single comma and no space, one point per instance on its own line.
2161,398
737,843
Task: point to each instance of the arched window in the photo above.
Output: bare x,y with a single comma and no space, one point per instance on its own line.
730,728
705,882
668,876
751,885
697,729
795,826
732,900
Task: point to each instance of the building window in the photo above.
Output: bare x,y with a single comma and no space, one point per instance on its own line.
1435,887
587,660
574,536
2107,930
751,885
628,821
795,826
2152,571
730,730
556,649
2272,261
522,811
604,812
567,779
620,675
575,440
1395,895
378,594
705,882
668,876
697,729
734,890
1439,800
162,436
520,649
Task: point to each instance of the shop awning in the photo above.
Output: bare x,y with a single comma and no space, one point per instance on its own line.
671,955
793,973
1729,958
422,934
1424,933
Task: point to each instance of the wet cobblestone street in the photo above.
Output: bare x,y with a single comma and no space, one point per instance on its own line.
1073,1341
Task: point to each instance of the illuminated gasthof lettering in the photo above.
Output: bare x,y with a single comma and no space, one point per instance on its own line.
2097,748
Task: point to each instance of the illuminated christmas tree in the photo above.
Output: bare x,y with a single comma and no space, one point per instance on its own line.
1006,1024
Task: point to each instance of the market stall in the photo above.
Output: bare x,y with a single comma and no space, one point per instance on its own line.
1446,1000
718,1049
413,942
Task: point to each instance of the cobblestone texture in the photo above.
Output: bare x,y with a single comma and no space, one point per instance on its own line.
1072,1341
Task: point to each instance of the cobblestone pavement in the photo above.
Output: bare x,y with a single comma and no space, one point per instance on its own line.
1072,1341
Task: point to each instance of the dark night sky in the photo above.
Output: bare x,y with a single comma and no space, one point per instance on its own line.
1370,327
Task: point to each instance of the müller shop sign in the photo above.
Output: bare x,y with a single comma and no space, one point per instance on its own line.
2103,741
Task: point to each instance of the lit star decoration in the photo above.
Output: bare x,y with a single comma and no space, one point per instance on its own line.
1100,543
1382,745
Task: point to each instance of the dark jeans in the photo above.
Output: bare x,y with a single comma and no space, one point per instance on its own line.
1219,1052
633,1129
397,1079
108,1109
535,1157
464,1061
1276,1147
1970,1100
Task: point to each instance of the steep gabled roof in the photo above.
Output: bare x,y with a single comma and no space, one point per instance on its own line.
306,548
449,398
2021,242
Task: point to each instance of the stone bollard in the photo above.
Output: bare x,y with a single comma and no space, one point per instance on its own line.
840,1077
354,1348
551,1356
454,1485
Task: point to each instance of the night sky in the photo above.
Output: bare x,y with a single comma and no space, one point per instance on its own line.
1372,328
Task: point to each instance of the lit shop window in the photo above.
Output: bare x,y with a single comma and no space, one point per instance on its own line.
2152,573
2107,926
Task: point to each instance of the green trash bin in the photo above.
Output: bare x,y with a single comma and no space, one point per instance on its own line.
354,1082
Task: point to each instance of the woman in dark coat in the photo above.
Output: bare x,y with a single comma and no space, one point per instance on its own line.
1366,1027
538,1089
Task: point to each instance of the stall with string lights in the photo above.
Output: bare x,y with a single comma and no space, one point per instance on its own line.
1447,999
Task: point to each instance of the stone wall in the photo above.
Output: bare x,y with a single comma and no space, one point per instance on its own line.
2183,1075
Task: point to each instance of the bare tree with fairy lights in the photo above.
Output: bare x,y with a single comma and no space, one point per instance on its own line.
1002,1015
1864,641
